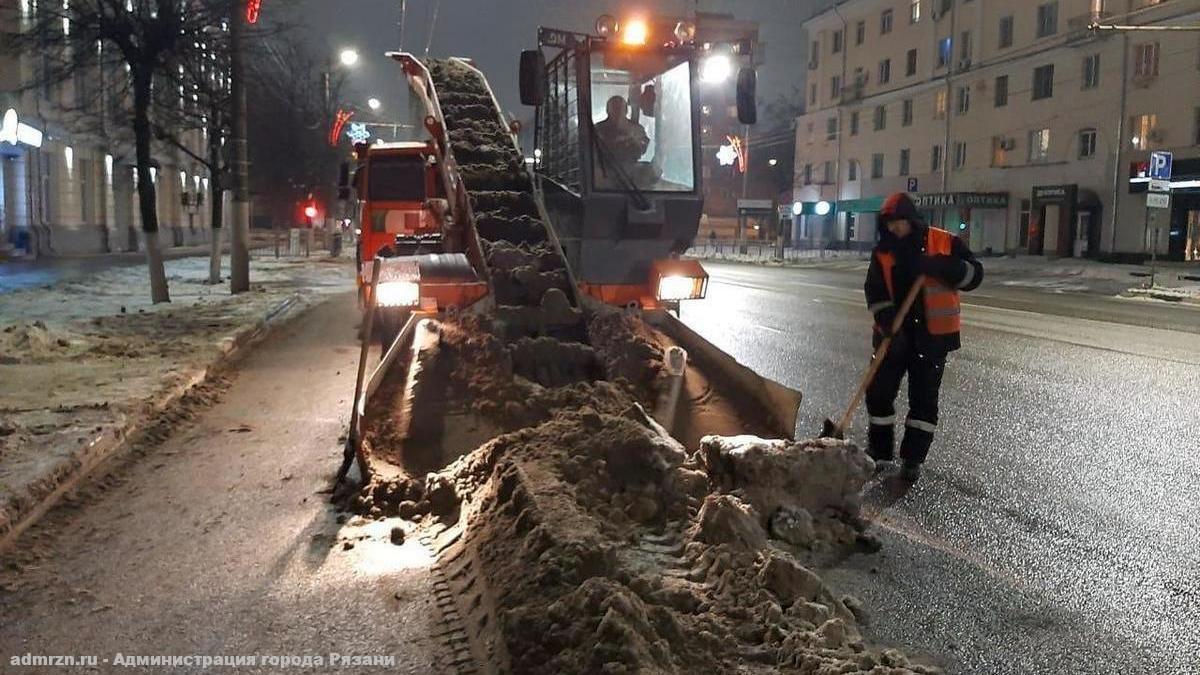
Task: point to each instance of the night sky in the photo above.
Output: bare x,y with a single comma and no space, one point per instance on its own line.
493,32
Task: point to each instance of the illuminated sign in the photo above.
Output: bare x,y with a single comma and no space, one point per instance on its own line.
13,131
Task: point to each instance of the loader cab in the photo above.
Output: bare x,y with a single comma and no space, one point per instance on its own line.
397,185
617,148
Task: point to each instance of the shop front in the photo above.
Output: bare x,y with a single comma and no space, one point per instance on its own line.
17,140
1183,233
1064,222
979,218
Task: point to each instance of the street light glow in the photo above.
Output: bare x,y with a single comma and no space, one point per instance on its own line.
823,208
716,69
373,103
349,57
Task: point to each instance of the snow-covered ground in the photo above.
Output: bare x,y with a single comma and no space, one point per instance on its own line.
84,360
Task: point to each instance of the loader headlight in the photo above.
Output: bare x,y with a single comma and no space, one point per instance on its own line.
680,288
678,279
399,294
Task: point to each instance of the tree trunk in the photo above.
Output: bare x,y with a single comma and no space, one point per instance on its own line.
216,203
147,197
239,240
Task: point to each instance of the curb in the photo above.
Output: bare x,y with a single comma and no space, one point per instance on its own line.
114,441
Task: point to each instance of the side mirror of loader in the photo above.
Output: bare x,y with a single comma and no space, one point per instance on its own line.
747,93
648,100
533,77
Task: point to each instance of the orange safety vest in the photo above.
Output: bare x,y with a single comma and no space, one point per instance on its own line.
942,309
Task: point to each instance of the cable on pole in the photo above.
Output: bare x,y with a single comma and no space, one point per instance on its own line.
432,26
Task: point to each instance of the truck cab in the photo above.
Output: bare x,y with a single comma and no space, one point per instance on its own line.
399,211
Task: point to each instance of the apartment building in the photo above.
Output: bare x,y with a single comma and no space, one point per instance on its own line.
1009,122
67,184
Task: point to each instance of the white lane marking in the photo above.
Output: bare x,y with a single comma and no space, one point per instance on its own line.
769,328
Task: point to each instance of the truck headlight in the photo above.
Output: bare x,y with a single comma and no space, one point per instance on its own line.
399,294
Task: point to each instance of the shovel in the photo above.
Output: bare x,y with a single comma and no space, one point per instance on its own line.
838,430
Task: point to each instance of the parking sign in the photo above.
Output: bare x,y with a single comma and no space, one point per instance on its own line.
912,184
1160,165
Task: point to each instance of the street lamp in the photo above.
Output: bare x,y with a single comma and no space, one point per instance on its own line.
373,103
349,57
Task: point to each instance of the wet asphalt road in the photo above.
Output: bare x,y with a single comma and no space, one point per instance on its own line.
1055,529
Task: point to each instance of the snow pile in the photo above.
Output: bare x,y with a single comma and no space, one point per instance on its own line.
83,360
608,549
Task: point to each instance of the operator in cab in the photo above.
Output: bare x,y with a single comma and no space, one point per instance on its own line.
624,141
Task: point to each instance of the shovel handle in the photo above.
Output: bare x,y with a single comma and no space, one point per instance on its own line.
881,351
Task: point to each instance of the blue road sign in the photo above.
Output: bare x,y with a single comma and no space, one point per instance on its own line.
1160,165
912,184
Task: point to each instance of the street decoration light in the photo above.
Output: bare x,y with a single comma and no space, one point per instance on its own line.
373,103
339,122
253,9
726,155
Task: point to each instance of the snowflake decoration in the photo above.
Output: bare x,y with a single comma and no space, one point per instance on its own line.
358,132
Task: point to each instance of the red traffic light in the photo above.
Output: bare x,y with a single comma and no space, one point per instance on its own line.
310,211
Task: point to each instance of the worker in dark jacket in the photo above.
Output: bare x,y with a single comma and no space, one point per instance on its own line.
908,248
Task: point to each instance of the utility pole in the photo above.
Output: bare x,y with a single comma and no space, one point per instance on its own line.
239,273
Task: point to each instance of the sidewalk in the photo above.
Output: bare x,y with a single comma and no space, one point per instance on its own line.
88,361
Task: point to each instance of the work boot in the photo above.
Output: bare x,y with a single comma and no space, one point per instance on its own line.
881,443
910,472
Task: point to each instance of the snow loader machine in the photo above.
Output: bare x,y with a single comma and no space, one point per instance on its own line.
581,230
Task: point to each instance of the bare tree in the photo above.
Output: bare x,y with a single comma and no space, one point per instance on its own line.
197,102
290,117
150,40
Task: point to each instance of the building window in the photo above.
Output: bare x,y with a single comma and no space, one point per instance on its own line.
885,22
1091,71
877,165
829,177
962,99
835,86
1087,143
837,41
1047,19
854,123
885,71
860,32
1006,32
939,104
1043,82
815,59
964,46
1145,60
852,170
914,11
935,159
1196,137
999,151
960,154
1145,129
904,159
881,118
1039,146
812,95
944,50
808,174
906,114
1001,91
910,64
831,129
946,5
